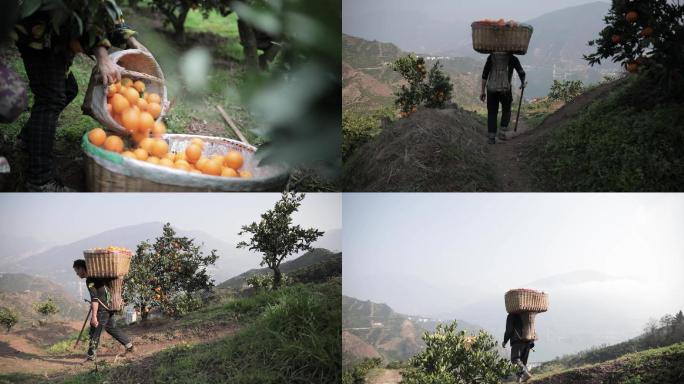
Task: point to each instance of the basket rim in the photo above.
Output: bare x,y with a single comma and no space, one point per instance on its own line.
163,175
480,24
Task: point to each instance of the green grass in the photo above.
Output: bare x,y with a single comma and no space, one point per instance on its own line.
223,26
630,140
67,345
289,336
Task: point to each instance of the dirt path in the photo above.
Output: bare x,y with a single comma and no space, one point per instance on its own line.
20,354
511,158
386,376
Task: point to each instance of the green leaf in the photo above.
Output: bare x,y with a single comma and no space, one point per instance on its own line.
29,7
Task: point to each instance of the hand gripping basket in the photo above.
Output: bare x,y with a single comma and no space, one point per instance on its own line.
107,263
527,303
137,65
488,38
110,172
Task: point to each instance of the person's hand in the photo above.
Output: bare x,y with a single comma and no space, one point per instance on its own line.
503,344
93,322
523,85
110,72
483,97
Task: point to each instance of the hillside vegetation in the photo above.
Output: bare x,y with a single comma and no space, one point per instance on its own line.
21,292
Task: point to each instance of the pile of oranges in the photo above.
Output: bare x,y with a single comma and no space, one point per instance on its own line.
134,112
155,150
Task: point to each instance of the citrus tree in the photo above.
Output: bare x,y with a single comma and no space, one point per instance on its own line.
168,275
452,357
47,308
276,237
176,11
566,90
8,318
642,33
432,89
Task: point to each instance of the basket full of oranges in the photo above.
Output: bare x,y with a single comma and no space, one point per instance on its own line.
107,262
139,99
501,36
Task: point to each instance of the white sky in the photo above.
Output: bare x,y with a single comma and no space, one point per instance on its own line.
488,241
63,218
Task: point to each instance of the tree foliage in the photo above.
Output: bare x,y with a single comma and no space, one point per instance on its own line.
8,318
168,275
432,89
566,90
357,373
47,307
276,237
642,33
452,357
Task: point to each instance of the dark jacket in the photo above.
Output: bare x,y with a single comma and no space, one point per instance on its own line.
99,292
513,63
513,329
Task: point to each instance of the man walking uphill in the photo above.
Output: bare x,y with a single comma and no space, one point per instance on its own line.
497,76
520,349
101,316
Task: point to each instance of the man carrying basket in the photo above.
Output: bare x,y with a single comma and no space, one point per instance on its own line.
520,349
102,317
496,77
48,50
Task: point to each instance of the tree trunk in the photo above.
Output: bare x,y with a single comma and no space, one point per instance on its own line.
179,24
249,45
269,54
277,278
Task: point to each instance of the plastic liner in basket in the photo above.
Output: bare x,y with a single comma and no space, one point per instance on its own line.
137,65
526,300
488,38
110,172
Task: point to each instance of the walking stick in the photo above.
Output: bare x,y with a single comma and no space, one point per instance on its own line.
522,90
83,327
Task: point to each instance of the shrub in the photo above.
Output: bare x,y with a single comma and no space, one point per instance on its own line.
431,89
8,318
566,90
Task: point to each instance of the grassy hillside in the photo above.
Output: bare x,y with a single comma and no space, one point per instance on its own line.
653,366
629,140
309,259
20,292
287,336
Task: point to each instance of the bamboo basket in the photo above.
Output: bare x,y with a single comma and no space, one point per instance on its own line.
107,263
528,331
110,172
116,288
137,65
526,300
489,38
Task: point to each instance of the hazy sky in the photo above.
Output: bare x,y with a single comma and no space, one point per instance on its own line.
458,9
62,218
492,242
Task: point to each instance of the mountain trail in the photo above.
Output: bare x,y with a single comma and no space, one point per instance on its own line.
386,376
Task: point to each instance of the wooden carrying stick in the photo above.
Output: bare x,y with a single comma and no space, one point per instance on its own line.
83,327
232,125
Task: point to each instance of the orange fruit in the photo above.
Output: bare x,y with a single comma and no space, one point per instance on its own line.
132,95
119,103
182,164
114,143
112,89
139,86
141,154
153,98
234,160
131,119
616,39
197,141
218,158
146,122
171,156
159,148
153,160
632,67
128,154
109,108
146,144
201,163
97,136
632,16
142,104
139,136
228,172
193,153
165,162
154,109
158,128
126,82
193,170
646,32
212,167
117,118
246,174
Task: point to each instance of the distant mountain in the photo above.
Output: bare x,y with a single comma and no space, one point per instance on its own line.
20,292
371,329
586,308
55,263
18,247
311,258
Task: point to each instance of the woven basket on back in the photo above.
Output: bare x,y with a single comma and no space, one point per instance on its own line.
116,289
107,263
528,331
137,65
110,172
489,38
526,300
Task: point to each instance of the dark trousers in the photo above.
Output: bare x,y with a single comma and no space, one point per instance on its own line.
106,321
493,101
519,354
53,88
